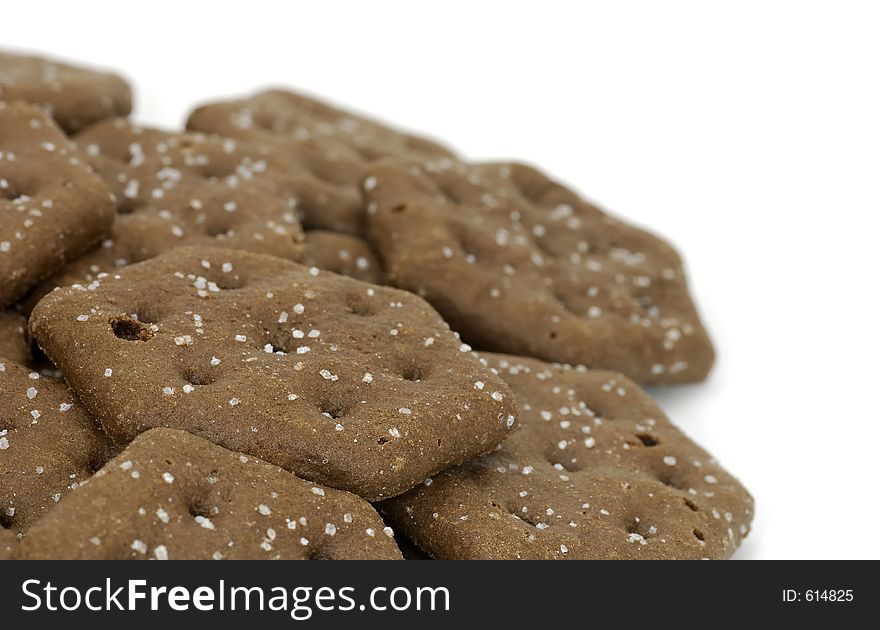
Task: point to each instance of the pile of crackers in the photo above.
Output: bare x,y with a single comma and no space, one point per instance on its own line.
290,332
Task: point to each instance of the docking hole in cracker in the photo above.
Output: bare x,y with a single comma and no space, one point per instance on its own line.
53,208
348,384
330,146
174,496
177,189
593,471
517,263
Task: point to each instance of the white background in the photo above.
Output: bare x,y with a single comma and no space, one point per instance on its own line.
746,132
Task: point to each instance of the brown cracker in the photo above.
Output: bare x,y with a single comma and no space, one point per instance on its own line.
48,445
593,471
518,263
342,253
52,207
73,96
13,338
280,113
192,189
373,394
332,148
172,495
177,189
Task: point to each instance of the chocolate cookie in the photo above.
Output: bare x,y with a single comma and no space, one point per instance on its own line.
13,338
74,97
348,384
341,253
518,263
331,147
52,207
593,471
172,495
48,445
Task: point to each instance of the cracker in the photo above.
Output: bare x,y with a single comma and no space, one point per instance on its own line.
48,445
177,189
330,146
172,495
13,338
282,113
73,96
593,471
518,263
52,207
355,386
341,253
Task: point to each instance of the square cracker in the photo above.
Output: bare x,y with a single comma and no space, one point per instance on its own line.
177,189
52,207
73,96
348,384
593,471
333,145
48,445
172,495
518,263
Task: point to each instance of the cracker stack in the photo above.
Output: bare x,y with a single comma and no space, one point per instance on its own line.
244,333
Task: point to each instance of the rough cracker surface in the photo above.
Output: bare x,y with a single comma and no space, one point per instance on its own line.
593,471
342,253
73,96
197,189
13,340
359,387
518,263
52,207
331,147
171,495
176,189
48,445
